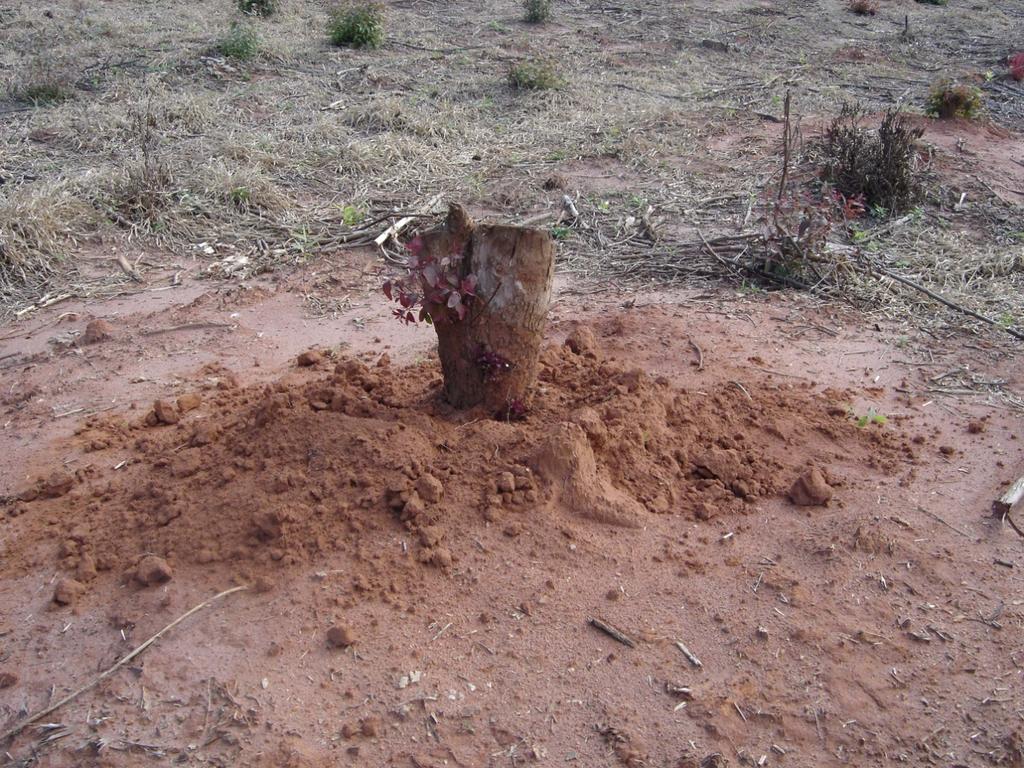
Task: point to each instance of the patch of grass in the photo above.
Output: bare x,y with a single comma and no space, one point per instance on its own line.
534,76
878,167
258,7
537,11
357,26
41,83
241,43
948,99
864,7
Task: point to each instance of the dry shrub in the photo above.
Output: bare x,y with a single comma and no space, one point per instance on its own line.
878,166
1017,66
864,7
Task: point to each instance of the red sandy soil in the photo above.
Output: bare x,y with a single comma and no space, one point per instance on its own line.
420,581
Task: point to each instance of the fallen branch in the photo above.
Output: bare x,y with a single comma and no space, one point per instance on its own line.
124,660
611,631
396,228
952,305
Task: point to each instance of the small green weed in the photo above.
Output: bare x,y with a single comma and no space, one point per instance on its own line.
534,76
537,11
871,417
357,26
258,7
352,215
560,233
947,100
241,43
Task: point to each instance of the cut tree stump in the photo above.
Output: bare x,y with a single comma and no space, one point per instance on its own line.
490,357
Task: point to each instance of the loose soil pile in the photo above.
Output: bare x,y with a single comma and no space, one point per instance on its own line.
279,475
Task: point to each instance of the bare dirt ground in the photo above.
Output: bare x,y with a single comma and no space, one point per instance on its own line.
420,584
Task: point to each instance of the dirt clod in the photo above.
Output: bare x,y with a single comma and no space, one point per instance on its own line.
370,726
189,402
57,484
153,570
309,358
165,412
582,341
430,489
810,490
340,636
96,331
68,591
8,680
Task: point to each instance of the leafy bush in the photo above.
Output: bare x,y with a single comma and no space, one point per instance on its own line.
240,43
864,7
947,99
533,76
357,26
537,11
257,7
877,168
1017,67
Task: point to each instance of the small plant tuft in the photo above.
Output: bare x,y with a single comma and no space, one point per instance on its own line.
537,11
947,100
534,76
41,83
241,43
357,26
864,7
1017,66
872,168
258,7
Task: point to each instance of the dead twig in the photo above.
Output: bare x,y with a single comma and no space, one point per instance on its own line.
124,660
612,632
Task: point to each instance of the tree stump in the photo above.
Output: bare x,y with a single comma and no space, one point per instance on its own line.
489,358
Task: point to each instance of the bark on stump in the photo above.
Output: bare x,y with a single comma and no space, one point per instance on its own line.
514,267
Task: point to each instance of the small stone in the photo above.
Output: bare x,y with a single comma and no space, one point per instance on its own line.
429,488
152,570
340,636
348,730
310,357
810,490
68,591
947,450
370,726
97,331
57,484
189,402
165,412
506,482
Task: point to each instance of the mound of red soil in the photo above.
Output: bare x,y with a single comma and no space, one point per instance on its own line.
279,474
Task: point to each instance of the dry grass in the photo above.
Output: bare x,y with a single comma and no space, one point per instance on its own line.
276,150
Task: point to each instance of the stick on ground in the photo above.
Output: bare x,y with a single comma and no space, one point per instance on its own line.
124,660
611,631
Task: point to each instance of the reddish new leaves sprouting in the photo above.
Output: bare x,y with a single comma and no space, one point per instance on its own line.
435,285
